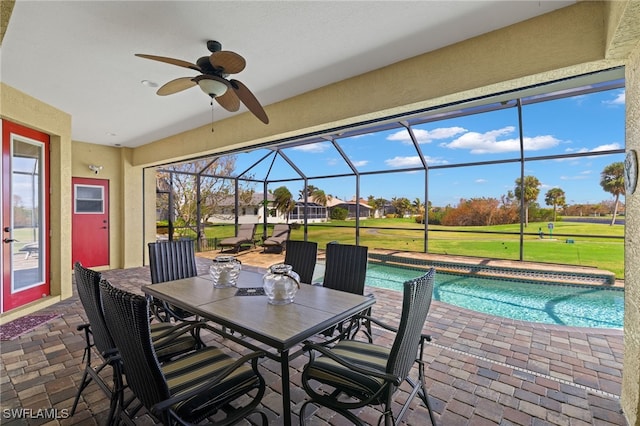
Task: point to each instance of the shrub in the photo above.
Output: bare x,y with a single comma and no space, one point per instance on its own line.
338,213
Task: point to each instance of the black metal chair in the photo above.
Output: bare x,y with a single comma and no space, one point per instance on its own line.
345,270
302,256
346,267
187,390
168,261
353,374
169,340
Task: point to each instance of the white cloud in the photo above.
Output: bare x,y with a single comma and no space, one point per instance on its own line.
606,147
481,181
488,143
313,147
619,99
426,136
360,136
360,163
413,161
432,161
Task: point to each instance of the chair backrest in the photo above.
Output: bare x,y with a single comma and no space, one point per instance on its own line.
281,232
302,256
415,307
172,260
246,230
87,283
346,267
127,316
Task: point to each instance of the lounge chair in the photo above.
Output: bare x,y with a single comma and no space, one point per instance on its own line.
243,236
278,238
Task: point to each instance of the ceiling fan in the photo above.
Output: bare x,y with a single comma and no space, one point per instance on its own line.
214,70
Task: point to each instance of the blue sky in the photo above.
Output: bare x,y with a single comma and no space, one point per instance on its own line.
583,123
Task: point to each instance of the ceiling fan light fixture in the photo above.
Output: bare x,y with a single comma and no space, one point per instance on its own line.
211,86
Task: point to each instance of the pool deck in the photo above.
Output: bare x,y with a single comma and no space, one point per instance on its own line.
535,271
481,369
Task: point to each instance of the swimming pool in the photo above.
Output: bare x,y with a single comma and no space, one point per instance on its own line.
574,305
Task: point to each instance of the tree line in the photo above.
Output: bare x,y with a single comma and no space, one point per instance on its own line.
215,191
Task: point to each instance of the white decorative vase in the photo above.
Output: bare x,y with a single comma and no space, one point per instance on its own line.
225,271
281,284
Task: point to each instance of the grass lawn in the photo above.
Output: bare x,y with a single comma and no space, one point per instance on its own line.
591,247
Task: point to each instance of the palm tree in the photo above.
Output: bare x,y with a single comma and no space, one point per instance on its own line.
283,201
612,181
555,197
402,205
418,206
318,196
531,191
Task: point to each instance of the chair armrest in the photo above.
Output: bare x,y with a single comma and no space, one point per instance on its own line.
177,330
167,403
309,346
376,321
83,327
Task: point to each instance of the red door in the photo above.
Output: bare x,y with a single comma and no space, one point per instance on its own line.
25,215
90,223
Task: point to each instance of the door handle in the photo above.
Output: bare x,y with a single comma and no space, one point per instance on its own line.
10,240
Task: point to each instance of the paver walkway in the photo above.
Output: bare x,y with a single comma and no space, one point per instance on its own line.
481,370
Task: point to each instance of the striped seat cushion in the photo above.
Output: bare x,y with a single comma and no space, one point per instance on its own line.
328,371
182,343
201,366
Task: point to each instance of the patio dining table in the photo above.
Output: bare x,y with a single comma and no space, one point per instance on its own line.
251,321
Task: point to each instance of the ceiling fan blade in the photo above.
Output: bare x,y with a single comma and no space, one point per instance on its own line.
229,62
249,100
175,86
171,61
229,101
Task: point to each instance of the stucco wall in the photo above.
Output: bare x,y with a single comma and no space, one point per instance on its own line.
109,158
631,371
23,109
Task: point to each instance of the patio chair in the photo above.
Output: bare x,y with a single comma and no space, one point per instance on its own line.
354,374
168,261
243,236
345,270
302,256
169,340
278,239
188,389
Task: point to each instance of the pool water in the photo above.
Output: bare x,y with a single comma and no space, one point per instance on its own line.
574,305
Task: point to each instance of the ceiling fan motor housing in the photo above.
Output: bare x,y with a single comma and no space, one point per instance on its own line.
214,46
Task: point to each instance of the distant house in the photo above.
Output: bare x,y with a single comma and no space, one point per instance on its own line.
252,211
313,211
365,209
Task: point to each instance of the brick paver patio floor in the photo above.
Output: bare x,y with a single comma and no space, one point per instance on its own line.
481,369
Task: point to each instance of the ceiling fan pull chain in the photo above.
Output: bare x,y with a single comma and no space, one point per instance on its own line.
212,115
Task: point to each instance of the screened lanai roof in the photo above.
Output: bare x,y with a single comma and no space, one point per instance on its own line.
281,160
